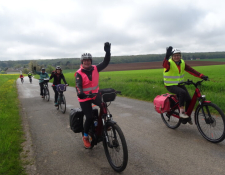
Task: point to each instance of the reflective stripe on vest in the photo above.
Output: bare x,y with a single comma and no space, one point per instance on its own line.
91,88
173,76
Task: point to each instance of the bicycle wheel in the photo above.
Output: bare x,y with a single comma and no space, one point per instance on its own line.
210,121
47,95
62,103
115,147
170,118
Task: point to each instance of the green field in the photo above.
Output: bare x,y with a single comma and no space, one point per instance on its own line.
10,127
216,59
146,84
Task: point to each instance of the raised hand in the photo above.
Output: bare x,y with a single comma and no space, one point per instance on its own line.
169,52
107,47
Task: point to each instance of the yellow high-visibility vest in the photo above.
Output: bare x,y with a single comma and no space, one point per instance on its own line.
173,76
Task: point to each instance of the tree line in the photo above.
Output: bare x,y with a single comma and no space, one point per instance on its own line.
74,63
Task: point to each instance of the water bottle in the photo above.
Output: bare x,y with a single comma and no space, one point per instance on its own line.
96,123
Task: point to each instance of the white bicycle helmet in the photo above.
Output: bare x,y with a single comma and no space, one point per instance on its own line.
58,68
176,51
85,56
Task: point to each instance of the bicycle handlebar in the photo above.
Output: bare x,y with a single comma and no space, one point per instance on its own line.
44,79
91,95
189,82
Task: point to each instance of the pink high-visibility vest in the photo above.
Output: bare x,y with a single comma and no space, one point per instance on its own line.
88,85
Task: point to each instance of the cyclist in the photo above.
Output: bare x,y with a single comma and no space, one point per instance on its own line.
87,78
43,75
30,75
174,67
21,77
57,75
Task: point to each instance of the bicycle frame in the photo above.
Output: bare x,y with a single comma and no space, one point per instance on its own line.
103,117
196,96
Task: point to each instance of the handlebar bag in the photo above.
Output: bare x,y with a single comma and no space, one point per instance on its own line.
61,87
162,103
108,94
76,120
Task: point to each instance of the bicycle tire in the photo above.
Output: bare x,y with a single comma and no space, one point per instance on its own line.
115,135
170,120
212,128
62,103
47,95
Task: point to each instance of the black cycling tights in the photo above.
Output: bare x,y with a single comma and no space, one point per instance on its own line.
56,93
41,88
182,94
87,110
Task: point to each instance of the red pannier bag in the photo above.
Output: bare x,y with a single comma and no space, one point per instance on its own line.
162,103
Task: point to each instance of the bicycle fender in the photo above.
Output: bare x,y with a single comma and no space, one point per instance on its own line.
199,107
111,121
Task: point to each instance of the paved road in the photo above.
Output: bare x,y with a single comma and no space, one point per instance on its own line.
153,148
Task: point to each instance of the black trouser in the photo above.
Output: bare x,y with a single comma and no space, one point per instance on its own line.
182,94
41,88
56,93
87,110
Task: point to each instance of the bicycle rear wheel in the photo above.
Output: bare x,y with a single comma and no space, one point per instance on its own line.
170,118
210,121
115,147
62,103
47,95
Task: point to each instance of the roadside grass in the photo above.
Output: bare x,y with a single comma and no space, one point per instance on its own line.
11,133
146,84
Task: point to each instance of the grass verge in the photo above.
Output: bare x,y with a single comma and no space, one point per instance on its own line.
11,132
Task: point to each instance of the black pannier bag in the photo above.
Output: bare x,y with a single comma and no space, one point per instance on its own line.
108,94
76,120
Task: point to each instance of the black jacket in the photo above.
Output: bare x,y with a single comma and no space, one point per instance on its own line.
57,78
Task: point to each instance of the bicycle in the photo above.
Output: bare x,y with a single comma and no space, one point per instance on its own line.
61,98
22,81
208,117
30,78
108,131
46,93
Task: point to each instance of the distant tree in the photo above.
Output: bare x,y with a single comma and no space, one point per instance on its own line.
31,65
50,69
25,71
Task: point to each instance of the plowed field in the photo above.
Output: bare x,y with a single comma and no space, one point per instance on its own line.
154,65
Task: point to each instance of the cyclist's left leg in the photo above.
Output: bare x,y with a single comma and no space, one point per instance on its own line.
41,89
56,95
87,110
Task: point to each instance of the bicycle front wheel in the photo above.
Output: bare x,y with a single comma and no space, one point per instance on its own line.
171,118
62,103
210,121
115,147
47,95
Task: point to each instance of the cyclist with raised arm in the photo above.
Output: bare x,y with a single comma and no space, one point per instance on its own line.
87,80
174,68
43,75
58,76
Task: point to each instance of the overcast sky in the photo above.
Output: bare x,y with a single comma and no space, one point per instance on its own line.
49,29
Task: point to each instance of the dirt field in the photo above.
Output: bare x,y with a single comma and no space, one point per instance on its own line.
154,65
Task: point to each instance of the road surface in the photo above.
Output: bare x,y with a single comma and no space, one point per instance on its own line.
152,147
